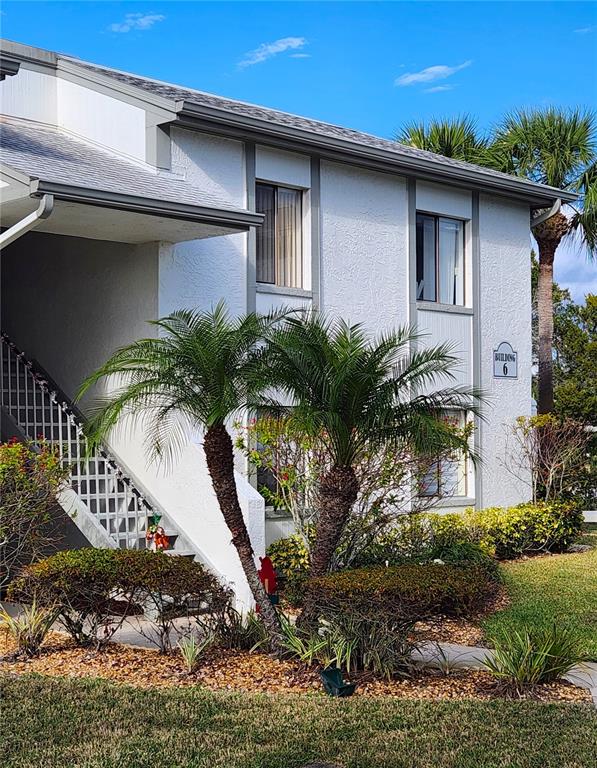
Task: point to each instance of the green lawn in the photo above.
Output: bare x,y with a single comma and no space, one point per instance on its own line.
91,724
544,590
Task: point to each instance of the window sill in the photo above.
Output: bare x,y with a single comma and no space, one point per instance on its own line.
282,290
453,501
452,309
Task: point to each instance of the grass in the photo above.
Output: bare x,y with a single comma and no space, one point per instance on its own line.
95,724
560,589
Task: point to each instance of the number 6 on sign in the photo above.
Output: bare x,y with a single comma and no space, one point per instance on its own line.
505,362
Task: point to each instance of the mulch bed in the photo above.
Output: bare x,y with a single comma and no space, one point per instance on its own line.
251,672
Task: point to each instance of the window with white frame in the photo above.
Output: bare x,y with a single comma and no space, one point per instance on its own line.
449,475
440,259
280,238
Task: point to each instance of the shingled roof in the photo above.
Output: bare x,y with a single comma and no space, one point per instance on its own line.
316,128
48,154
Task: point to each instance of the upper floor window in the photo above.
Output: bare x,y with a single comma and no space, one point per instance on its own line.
440,259
280,238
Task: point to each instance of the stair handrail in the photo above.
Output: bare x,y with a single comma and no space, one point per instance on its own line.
44,381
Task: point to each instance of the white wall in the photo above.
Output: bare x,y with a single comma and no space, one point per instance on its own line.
30,94
201,272
505,315
364,246
70,302
101,119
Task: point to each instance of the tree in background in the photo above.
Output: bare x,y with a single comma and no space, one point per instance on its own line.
549,146
458,138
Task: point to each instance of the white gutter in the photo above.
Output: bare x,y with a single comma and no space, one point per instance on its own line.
13,233
555,208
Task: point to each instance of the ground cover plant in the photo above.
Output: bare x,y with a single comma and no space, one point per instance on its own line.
101,725
555,588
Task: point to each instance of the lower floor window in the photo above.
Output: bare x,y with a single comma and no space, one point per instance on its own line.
448,476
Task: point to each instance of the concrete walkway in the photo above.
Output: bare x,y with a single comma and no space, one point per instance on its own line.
465,656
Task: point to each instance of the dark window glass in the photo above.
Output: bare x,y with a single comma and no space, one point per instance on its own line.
440,259
279,239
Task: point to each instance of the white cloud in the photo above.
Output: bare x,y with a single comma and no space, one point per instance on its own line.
300,55
439,89
585,30
430,74
267,50
136,21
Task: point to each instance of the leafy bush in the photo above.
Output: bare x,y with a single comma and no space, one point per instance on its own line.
372,643
95,589
232,629
290,558
30,628
30,477
523,659
406,593
465,553
527,528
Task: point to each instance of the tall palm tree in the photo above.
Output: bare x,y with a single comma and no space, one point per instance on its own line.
555,147
550,146
355,392
202,369
457,137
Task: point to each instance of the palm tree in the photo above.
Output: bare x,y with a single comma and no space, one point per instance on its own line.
457,137
554,147
355,393
549,146
202,369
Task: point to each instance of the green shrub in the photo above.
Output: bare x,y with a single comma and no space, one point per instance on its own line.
192,649
290,558
406,593
523,659
95,589
465,553
30,628
527,528
235,630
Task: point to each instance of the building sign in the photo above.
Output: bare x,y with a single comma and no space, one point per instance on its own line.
505,362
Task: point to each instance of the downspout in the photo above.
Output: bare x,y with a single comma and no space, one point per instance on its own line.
555,208
13,233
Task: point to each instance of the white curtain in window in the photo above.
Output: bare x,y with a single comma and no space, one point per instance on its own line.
265,203
289,266
451,275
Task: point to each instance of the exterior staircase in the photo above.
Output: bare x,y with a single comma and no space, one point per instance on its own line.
108,507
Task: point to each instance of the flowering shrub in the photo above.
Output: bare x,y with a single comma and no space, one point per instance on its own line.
30,477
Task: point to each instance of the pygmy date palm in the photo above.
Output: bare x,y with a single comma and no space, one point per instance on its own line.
355,392
201,369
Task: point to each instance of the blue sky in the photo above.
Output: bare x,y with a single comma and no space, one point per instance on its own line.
372,66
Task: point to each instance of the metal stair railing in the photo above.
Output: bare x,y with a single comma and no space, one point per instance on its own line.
41,412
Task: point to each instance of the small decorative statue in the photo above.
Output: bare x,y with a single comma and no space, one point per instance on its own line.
155,536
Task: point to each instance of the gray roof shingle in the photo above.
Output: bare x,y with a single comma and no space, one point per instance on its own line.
277,117
44,152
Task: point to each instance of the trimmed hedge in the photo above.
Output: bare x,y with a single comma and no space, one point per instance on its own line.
94,589
406,593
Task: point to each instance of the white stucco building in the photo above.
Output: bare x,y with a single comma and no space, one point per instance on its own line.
148,197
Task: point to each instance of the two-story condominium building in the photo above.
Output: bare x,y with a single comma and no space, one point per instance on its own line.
124,198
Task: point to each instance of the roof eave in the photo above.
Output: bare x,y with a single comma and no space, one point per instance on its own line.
241,220
201,116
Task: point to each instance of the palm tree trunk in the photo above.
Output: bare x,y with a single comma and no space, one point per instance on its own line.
548,235
336,496
219,453
545,328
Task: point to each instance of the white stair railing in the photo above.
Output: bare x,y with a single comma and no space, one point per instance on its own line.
41,413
